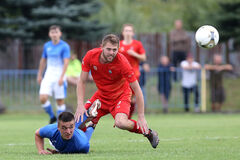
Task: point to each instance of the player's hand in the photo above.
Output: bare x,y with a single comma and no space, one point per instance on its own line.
142,124
60,82
131,52
39,79
53,151
44,152
80,112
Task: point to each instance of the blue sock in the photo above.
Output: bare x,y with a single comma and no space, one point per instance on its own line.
89,132
61,109
48,109
77,124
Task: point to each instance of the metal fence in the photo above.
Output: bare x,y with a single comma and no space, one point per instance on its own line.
20,90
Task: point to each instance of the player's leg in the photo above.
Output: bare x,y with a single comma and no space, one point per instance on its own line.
213,99
121,114
164,103
61,107
122,122
96,108
196,99
175,61
186,96
60,93
132,108
89,132
45,92
92,113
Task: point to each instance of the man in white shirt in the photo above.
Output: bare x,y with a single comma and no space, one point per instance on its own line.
189,81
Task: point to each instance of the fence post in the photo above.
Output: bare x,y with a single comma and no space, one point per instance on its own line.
203,91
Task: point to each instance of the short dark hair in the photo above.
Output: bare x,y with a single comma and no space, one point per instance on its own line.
54,27
65,117
128,25
111,38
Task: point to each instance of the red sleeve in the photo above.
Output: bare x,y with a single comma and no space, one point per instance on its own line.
86,62
141,50
127,70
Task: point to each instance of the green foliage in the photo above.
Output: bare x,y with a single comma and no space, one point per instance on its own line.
30,19
199,13
157,16
228,19
119,13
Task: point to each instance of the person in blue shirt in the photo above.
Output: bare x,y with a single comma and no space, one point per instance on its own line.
65,135
164,81
56,55
144,68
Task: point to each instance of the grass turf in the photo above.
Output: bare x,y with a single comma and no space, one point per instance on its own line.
182,136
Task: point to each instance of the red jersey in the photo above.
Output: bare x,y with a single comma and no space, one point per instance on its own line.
112,79
138,48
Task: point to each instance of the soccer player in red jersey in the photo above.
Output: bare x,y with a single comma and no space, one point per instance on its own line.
113,76
132,49
134,52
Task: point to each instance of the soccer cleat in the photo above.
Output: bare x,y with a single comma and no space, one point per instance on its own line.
153,138
92,111
53,120
91,124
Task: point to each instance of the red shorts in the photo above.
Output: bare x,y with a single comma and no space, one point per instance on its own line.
120,105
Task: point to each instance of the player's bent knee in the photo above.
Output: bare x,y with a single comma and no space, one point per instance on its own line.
120,124
60,101
43,99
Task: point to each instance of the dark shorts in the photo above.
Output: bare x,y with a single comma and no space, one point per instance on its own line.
217,95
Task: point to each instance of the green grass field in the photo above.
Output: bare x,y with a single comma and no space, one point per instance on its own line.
182,137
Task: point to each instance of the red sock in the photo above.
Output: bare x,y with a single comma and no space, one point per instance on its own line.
132,108
135,129
84,129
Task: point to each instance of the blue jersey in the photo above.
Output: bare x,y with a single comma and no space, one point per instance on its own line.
55,55
79,143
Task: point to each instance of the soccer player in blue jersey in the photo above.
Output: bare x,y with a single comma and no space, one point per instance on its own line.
56,54
65,136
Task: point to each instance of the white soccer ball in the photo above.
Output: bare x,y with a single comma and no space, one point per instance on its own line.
207,36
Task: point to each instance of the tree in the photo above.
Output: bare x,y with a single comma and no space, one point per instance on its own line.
30,19
228,20
116,13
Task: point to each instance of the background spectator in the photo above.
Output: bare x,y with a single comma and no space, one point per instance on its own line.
216,81
144,68
164,81
179,44
74,70
189,81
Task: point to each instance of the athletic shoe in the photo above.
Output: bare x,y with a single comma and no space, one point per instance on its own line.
153,138
91,124
92,111
53,120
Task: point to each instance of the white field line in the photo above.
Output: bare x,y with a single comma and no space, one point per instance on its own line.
19,144
143,140
185,139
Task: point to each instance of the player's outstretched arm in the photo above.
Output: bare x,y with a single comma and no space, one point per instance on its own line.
209,67
142,123
39,141
140,57
228,67
42,65
80,96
